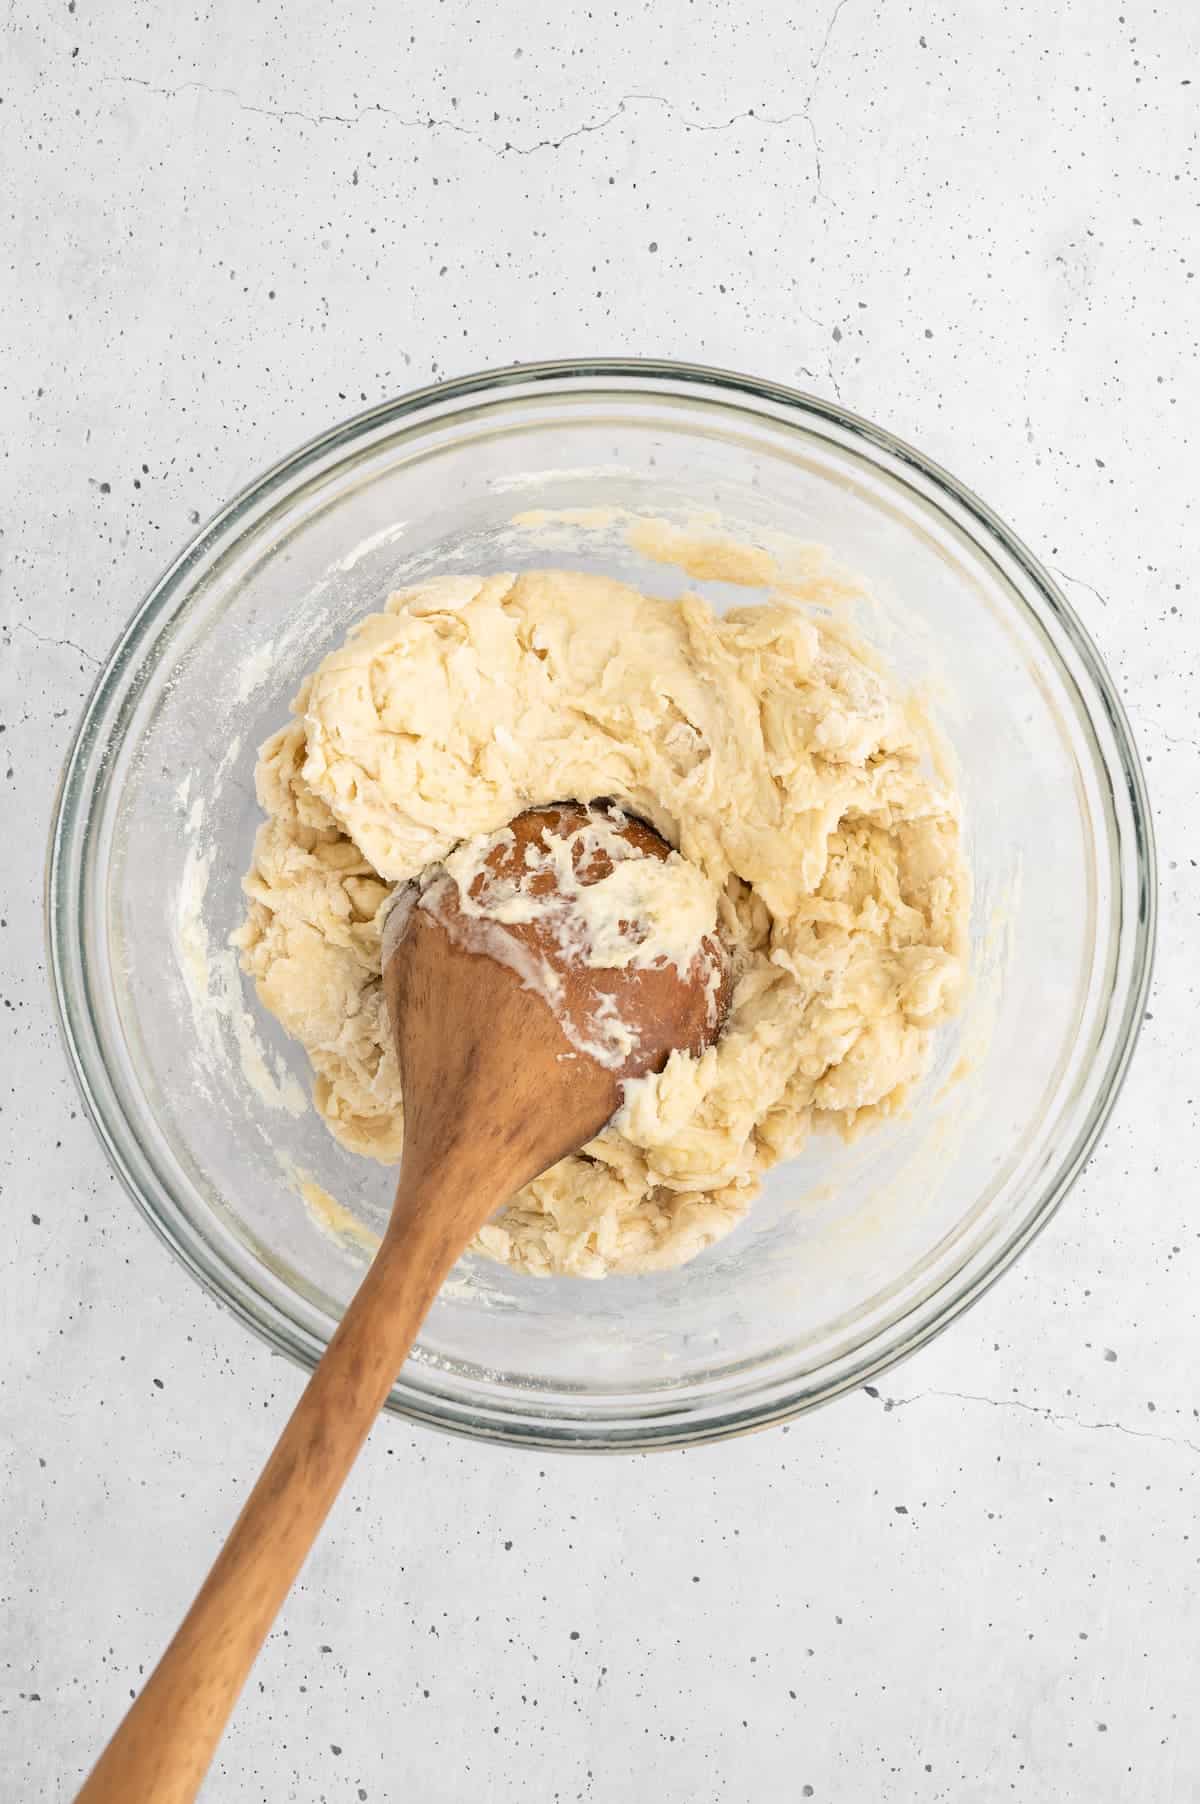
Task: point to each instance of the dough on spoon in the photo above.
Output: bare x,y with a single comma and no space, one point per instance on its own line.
779,763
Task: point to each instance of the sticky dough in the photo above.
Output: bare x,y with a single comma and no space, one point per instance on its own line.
759,743
635,914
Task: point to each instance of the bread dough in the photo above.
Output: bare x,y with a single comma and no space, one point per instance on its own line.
777,760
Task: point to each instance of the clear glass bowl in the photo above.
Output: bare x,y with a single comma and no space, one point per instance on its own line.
855,1254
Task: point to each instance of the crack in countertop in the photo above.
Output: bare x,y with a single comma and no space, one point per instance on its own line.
434,122
1058,1417
46,639
834,16
1079,582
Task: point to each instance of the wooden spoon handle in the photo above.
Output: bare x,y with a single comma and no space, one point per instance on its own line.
161,1751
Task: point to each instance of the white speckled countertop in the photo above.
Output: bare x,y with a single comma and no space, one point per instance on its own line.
976,224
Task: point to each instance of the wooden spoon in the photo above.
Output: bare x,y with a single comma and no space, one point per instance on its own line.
496,1089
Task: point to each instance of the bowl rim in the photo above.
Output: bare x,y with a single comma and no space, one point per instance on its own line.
531,1426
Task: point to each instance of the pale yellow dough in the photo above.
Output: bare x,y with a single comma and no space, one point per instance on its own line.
759,743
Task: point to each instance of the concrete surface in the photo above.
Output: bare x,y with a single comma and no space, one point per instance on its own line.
226,226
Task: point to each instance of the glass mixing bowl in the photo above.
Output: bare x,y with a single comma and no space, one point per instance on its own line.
855,1253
